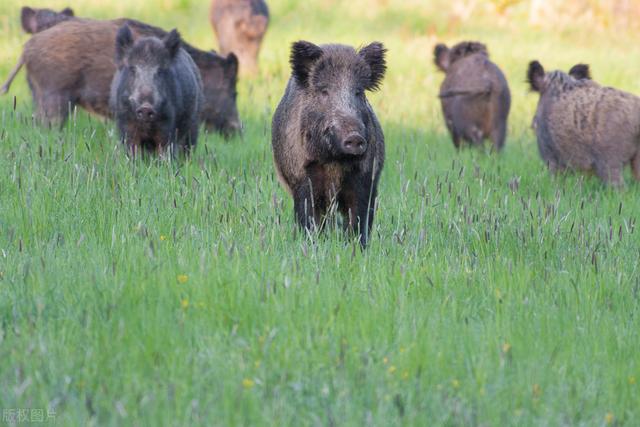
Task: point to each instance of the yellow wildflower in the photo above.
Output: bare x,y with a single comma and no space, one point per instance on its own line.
632,380
405,375
391,369
184,304
455,383
536,390
385,360
182,278
248,383
506,347
163,237
609,418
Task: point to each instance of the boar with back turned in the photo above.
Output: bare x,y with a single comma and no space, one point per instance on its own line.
33,21
240,26
72,64
581,125
328,145
156,94
475,96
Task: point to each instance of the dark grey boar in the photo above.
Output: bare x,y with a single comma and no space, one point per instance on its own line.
475,95
581,125
328,145
72,64
240,26
156,94
34,21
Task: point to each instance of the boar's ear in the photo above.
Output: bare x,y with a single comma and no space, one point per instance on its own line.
28,19
441,57
303,56
67,11
124,41
231,66
535,76
373,54
172,42
580,72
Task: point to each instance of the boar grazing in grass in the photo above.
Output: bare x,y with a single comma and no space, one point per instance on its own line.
240,26
34,21
474,95
328,145
156,94
72,64
581,125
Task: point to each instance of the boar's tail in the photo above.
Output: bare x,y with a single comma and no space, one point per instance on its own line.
466,92
7,84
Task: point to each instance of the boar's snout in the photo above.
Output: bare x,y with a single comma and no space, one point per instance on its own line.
354,145
146,112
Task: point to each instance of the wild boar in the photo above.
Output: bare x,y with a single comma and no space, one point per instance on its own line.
328,145
156,94
72,63
34,21
240,26
581,125
475,96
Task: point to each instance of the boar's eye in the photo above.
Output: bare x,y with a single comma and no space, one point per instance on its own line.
324,92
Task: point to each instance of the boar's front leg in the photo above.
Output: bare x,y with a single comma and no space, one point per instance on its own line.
305,205
357,203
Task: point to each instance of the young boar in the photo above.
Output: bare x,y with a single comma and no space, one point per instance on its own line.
156,94
475,96
240,26
34,21
72,63
581,125
328,145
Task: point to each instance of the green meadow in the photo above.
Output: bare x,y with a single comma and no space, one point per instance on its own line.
151,293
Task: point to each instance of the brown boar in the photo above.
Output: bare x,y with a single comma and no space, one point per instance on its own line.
33,21
581,125
328,145
475,96
240,26
72,63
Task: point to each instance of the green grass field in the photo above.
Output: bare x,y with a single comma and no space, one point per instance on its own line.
150,293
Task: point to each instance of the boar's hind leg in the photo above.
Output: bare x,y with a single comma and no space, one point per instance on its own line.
498,136
306,206
53,109
635,166
610,174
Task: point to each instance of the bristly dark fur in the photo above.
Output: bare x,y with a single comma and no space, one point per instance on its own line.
535,75
465,49
374,56
303,55
580,72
